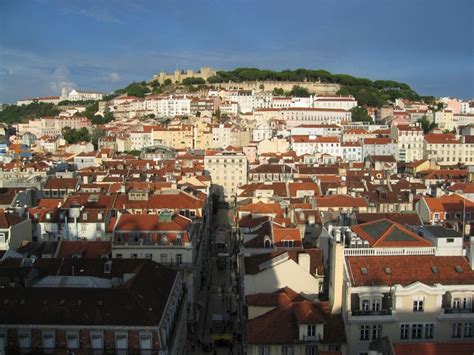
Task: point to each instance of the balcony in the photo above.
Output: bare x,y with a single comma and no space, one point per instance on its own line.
456,313
382,312
384,315
457,310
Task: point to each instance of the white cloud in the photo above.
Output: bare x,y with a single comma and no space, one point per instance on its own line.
113,77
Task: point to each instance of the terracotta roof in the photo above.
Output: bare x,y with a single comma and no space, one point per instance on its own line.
339,201
263,208
140,301
448,203
407,269
385,233
458,348
405,218
281,325
151,222
85,248
441,138
253,264
281,297
9,219
61,183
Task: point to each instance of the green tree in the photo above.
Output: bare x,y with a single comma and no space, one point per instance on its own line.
72,135
278,92
167,82
299,91
426,124
137,90
15,114
91,110
359,114
193,81
95,135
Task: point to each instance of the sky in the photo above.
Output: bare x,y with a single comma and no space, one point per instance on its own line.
106,44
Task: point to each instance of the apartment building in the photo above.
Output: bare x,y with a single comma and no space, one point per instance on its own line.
410,142
302,116
177,137
388,281
227,169
92,306
448,149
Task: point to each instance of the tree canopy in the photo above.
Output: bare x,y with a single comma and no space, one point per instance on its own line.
15,114
72,135
299,91
426,125
359,114
367,92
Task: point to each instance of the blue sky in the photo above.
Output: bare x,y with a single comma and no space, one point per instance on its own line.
106,44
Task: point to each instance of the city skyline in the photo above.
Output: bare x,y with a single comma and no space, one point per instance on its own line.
47,44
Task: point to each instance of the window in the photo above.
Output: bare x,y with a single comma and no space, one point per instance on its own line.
429,331
145,341
376,331
121,340
264,350
365,305
2,237
457,327
376,304
457,303
48,340
24,340
134,256
467,330
119,256
404,331
288,243
364,332
72,340
149,256
466,302
311,330
164,258
97,340
417,331
287,350
179,259
418,305
311,350
3,341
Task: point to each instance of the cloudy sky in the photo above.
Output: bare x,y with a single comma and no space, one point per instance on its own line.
106,44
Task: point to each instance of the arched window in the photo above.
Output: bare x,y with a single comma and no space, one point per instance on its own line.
267,243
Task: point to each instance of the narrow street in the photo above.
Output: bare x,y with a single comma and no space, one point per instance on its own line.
219,327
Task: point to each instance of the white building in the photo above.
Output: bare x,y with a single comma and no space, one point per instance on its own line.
351,151
409,139
76,95
379,146
303,116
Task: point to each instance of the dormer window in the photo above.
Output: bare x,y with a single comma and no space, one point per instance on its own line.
311,330
288,243
267,243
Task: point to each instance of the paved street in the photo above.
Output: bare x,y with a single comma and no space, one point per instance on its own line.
218,296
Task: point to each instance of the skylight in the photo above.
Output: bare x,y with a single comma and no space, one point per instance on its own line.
364,271
458,269
434,269
387,270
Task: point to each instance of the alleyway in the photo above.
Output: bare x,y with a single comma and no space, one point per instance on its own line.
218,297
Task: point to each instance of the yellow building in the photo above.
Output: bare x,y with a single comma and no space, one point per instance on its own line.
178,137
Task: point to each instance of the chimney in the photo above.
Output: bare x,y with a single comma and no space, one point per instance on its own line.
337,277
304,261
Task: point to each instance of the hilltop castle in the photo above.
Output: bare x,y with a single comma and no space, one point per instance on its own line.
180,75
